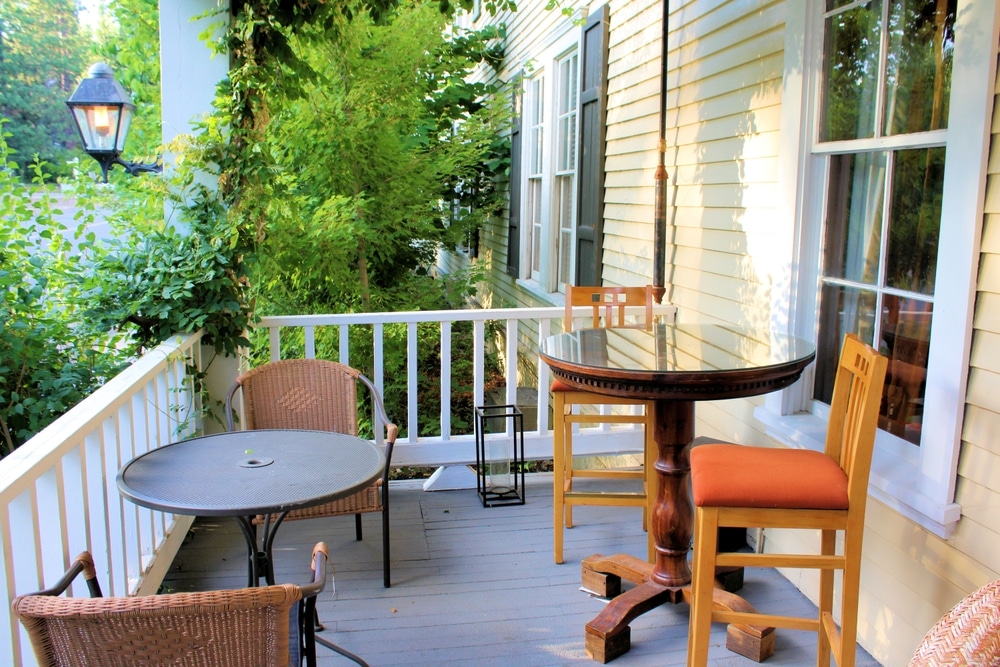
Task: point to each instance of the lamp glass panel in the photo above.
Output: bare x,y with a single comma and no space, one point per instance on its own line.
98,126
123,127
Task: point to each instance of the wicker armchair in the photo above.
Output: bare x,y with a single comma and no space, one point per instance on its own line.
249,627
967,636
318,395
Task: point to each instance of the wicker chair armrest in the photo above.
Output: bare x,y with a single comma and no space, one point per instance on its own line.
320,564
229,405
84,563
380,415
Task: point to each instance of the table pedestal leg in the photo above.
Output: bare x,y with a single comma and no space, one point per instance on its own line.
260,563
668,579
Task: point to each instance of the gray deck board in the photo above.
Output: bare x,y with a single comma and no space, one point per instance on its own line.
477,586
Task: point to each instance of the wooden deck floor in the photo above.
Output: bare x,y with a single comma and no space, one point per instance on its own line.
477,586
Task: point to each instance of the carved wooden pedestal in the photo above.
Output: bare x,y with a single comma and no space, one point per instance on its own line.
608,635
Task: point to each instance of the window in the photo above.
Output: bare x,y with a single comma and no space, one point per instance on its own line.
559,192
567,98
534,211
873,160
886,72
550,206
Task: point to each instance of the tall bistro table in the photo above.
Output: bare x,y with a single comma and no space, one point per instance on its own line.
673,365
244,474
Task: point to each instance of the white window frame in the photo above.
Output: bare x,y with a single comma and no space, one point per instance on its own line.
918,482
543,277
536,186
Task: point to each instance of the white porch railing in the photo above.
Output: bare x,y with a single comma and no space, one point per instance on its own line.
524,329
58,494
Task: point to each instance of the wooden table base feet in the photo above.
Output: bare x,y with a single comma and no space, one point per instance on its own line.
608,636
601,584
750,641
606,649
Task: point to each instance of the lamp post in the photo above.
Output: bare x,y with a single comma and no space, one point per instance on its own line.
102,111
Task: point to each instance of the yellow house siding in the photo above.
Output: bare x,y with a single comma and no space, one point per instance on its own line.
631,157
723,142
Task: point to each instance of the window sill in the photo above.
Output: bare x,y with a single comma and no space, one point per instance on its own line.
894,469
533,288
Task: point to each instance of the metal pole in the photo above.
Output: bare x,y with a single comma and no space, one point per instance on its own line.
660,193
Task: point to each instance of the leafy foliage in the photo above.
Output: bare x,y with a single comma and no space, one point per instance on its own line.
384,137
164,282
128,41
50,358
304,219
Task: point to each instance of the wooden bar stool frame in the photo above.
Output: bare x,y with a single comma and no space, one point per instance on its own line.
832,495
609,308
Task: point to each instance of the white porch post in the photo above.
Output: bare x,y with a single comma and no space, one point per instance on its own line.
189,73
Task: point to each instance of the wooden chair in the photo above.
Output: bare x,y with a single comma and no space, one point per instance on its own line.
249,627
967,636
738,486
609,306
318,395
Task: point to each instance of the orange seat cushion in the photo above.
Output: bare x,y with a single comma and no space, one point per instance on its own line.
724,475
558,385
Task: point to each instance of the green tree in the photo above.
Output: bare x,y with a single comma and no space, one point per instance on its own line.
384,138
42,55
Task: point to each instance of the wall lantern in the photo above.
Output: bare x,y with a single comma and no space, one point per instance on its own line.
102,110
500,455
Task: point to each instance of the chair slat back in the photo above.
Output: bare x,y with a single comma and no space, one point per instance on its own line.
313,394
857,395
609,305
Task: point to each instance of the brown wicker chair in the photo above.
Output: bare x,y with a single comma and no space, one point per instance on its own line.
967,636
318,395
249,627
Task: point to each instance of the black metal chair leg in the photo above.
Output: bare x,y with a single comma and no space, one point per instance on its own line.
344,652
385,545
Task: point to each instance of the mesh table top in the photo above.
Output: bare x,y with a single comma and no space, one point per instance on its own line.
245,473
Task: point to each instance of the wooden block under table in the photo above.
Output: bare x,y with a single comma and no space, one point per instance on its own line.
601,584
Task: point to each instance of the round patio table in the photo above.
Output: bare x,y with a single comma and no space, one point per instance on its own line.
244,474
673,365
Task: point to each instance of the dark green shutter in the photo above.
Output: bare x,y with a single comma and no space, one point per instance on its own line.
590,169
514,206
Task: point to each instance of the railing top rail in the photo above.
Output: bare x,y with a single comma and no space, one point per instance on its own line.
467,315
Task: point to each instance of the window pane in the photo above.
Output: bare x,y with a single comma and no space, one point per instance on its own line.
851,73
915,220
535,211
905,334
564,189
843,310
918,74
852,243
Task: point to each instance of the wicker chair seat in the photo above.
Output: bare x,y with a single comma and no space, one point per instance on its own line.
967,636
191,628
368,499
